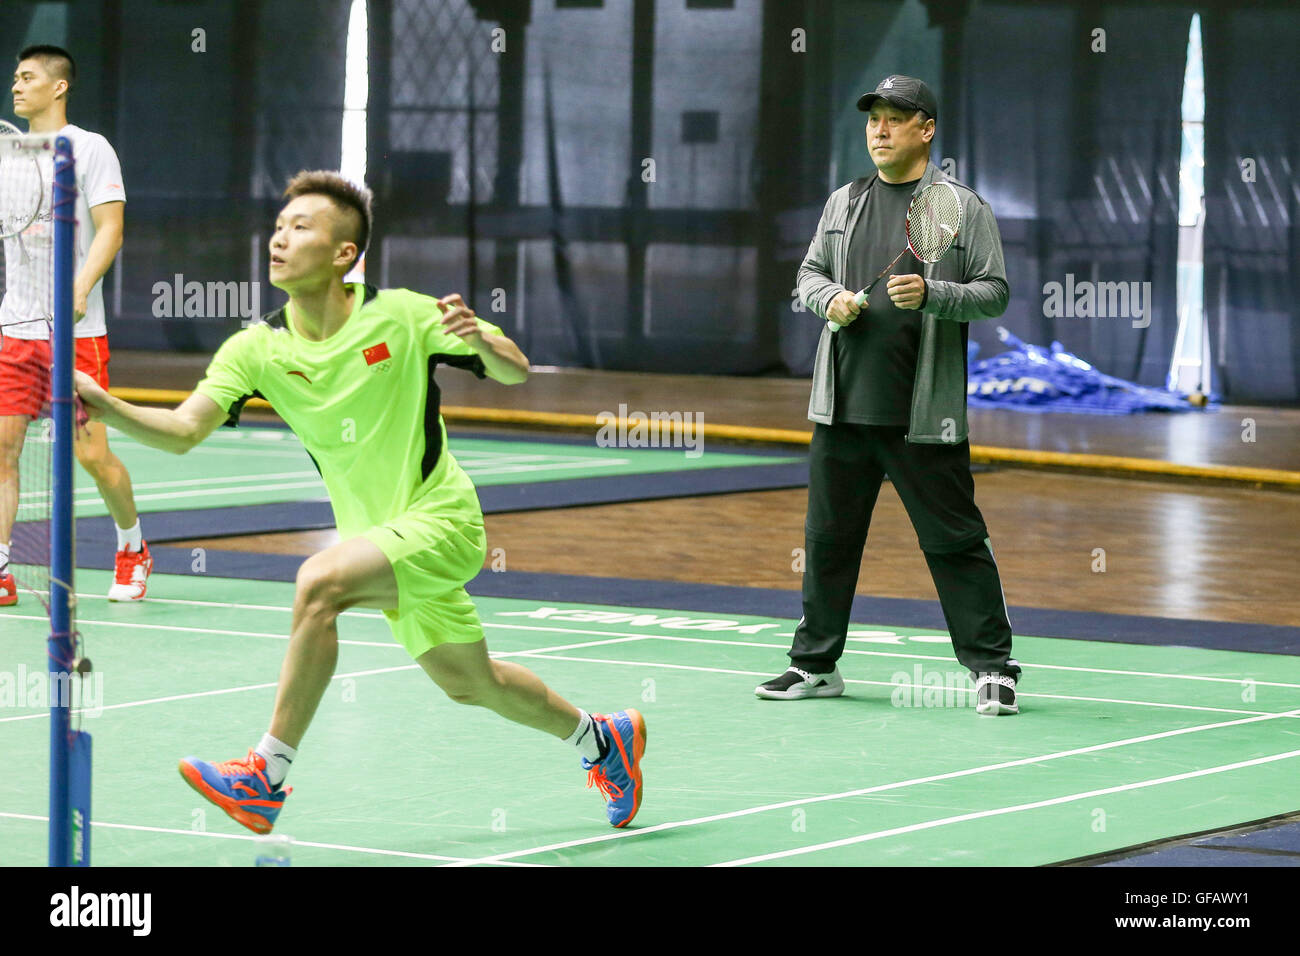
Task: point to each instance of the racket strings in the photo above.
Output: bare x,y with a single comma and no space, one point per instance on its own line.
933,222
21,187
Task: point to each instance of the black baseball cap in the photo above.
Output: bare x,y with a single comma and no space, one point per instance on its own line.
905,92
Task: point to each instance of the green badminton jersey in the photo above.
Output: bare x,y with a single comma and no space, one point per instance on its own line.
363,402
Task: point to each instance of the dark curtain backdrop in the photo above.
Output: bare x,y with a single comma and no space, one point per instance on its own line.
1077,152
1252,233
631,184
207,140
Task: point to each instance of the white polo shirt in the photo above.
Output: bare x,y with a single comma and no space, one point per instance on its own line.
29,288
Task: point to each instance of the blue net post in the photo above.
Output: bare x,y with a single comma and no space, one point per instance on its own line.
62,595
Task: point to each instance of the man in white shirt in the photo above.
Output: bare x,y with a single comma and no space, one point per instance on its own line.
42,82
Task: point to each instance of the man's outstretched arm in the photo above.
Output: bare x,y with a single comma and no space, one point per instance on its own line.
502,359
176,430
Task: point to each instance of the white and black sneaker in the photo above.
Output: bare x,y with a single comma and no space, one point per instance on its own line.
796,684
995,695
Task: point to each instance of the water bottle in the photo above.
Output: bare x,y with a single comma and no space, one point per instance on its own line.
274,850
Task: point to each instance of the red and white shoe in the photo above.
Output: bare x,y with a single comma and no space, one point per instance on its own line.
8,590
131,574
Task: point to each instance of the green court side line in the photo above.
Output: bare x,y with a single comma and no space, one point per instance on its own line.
1001,811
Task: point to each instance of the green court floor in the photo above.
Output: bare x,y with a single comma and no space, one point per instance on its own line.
1117,744
254,466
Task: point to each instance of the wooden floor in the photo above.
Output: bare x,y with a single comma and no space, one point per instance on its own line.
1235,435
1170,549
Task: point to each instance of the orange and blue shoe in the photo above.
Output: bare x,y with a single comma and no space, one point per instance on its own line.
239,787
618,774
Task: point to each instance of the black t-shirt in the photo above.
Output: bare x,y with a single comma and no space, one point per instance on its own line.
875,355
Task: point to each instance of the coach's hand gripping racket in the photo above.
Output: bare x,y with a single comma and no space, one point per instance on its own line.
933,221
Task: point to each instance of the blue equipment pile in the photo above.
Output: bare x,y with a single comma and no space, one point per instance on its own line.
1030,378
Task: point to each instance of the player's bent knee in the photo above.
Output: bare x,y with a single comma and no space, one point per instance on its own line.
321,590
93,459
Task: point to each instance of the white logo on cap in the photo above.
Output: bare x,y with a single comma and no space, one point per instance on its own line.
888,84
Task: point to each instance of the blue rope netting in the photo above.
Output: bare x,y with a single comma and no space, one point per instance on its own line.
1030,378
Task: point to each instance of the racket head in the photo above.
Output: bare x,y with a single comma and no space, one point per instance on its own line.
934,218
22,186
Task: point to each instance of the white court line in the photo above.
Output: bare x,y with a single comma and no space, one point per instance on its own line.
83,595
624,834
509,458
213,693
284,637
365,673
1028,666
471,469
250,451
496,458
237,836
922,687
201,481
227,436
532,652
881,788
550,655
135,625
213,492
964,817
94,499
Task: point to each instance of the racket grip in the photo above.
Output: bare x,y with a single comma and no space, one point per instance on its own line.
859,300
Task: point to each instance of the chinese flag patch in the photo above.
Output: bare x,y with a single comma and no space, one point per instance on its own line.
376,353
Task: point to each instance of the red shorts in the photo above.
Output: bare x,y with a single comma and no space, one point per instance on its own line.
25,369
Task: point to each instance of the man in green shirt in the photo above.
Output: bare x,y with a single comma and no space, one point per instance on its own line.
350,369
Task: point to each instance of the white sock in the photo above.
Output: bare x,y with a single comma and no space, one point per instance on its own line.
278,756
4,557
586,737
130,539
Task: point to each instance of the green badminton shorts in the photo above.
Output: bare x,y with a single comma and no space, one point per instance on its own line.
432,558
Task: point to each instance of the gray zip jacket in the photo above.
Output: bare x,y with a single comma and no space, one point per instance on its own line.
969,283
